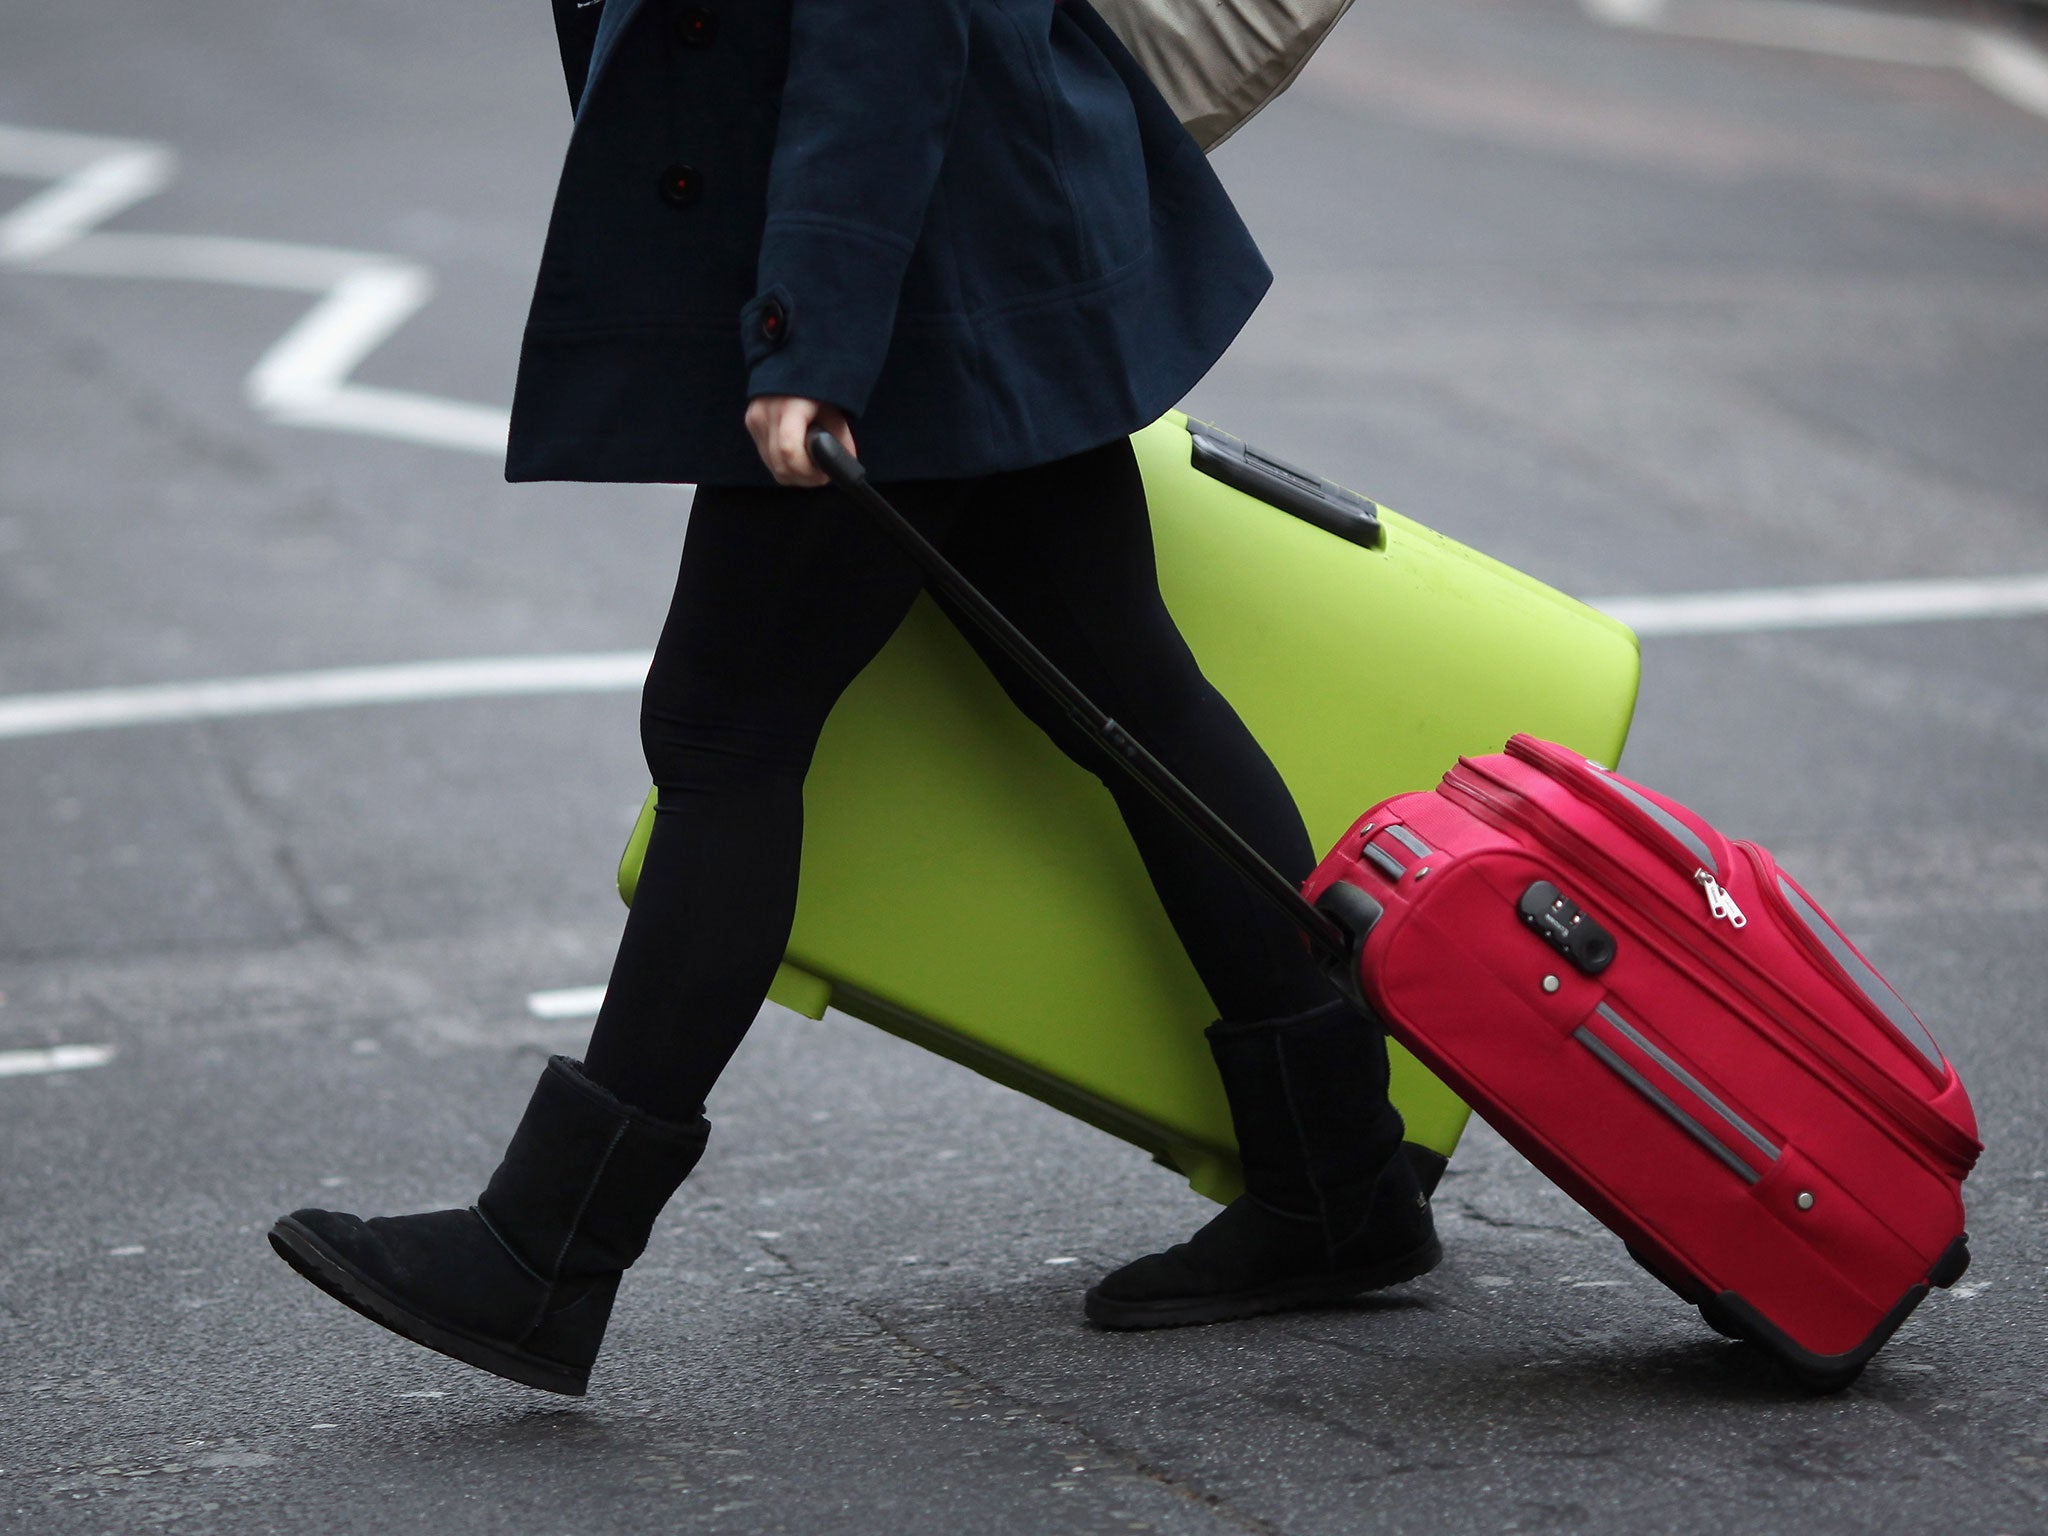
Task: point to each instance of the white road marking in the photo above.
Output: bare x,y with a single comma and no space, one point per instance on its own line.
1803,25
48,714
303,378
1998,61
57,1058
2009,67
1663,616
1836,606
94,179
568,1003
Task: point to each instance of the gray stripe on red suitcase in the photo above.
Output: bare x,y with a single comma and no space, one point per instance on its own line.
1678,830
1858,970
1392,867
1657,1097
1409,840
1692,1084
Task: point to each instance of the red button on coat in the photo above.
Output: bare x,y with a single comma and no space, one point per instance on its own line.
697,26
681,186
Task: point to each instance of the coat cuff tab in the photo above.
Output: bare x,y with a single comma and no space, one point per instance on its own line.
766,323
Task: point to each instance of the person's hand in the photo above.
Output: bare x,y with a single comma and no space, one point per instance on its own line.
781,426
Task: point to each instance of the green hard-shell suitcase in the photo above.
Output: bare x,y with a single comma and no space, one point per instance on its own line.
969,889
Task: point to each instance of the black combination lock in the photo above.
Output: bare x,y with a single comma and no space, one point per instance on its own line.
1560,924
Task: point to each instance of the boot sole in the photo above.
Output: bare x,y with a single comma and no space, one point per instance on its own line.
1296,1295
320,1264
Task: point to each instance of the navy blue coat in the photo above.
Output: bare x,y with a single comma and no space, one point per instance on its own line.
972,224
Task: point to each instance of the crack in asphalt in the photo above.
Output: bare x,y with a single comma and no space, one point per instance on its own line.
150,407
1941,1448
243,802
1125,1456
1471,1212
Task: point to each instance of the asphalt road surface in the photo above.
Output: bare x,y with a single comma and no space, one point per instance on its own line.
1643,312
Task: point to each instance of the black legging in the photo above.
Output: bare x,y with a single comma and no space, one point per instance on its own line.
783,597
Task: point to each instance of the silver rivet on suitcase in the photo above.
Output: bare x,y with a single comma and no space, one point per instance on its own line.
1551,983
1805,1201
1422,871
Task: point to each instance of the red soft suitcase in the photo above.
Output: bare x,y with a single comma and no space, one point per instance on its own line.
1664,1023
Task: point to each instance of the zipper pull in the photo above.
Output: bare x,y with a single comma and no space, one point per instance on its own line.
1719,902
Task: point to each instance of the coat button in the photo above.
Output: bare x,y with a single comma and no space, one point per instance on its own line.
774,323
697,26
681,186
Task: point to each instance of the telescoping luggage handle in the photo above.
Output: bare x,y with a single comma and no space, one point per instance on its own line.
1332,942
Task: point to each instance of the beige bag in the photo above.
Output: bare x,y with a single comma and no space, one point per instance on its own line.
1219,61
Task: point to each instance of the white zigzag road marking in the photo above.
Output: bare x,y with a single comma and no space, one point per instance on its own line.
2000,63
95,179
303,379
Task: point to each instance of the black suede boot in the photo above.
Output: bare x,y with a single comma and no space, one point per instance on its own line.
521,1283
1331,1207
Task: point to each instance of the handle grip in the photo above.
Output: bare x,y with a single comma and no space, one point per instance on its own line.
830,455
